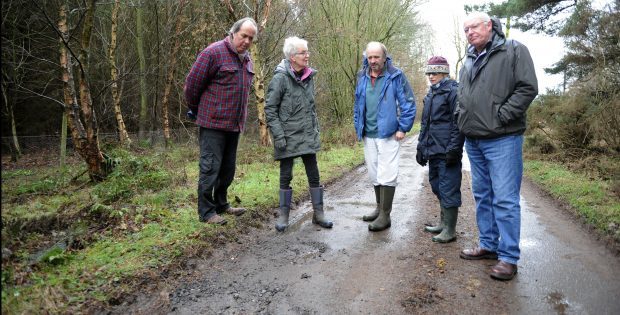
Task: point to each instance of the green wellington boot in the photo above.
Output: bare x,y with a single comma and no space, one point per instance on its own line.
449,232
316,196
286,195
383,221
439,227
373,215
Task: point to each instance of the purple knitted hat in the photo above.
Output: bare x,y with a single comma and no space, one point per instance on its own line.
437,64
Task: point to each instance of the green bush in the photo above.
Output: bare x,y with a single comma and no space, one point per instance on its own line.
133,175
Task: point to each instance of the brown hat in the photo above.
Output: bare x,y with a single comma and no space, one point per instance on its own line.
437,64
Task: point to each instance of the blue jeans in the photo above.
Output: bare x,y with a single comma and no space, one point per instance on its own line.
496,171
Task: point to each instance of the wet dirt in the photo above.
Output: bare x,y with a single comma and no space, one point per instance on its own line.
347,269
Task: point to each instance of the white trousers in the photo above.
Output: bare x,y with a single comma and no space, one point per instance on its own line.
381,156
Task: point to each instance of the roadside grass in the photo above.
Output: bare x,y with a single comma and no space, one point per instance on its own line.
74,245
592,197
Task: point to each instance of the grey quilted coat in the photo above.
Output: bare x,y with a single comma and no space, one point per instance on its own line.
291,113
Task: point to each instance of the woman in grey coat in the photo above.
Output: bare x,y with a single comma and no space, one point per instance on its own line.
292,119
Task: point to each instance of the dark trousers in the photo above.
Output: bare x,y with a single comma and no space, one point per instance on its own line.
312,171
218,158
445,182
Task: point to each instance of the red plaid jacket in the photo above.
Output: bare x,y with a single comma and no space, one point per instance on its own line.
218,86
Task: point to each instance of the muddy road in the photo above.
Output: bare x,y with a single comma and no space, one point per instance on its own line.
349,270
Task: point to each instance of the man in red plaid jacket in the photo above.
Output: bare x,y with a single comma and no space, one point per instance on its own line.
217,89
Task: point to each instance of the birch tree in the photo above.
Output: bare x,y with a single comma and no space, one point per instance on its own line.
123,136
260,12
142,76
81,116
170,72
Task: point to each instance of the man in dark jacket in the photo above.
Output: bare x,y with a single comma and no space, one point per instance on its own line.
291,116
383,112
441,144
497,84
217,90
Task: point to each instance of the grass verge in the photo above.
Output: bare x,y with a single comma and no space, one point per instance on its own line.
592,198
69,245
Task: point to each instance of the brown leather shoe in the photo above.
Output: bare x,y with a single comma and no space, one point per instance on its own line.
216,219
235,211
477,254
503,271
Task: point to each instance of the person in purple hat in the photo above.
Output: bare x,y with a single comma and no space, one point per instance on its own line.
440,144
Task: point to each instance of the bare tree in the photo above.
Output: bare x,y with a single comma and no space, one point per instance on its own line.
116,92
460,45
81,117
170,75
143,92
260,12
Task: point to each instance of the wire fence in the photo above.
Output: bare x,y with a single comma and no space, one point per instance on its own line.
50,144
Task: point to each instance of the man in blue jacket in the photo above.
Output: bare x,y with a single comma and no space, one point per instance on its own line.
497,84
383,112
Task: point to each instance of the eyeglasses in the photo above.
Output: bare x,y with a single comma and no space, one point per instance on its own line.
472,27
303,53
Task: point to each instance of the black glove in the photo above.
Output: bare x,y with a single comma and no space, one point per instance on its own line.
420,158
191,115
281,144
453,157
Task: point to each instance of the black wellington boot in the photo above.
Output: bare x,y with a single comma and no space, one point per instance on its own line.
316,196
373,215
383,221
286,195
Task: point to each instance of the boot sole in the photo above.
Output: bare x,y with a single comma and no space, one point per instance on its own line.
379,229
489,256
324,225
437,240
502,276
426,229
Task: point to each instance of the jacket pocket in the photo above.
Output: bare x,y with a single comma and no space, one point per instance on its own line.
227,75
206,163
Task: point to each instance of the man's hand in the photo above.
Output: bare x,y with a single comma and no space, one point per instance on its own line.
191,115
399,135
281,144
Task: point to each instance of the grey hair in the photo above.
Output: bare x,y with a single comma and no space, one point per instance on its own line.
377,44
478,16
237,26
290,46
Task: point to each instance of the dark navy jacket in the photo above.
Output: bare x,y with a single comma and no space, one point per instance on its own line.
439,132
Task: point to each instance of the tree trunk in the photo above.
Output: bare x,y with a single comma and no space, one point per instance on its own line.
123,136
16,151
170,75
84,134
143,97
260,7
63,140
259,92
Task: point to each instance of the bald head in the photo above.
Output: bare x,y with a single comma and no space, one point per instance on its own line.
376,53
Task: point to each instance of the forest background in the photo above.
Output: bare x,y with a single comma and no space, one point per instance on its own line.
96,88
